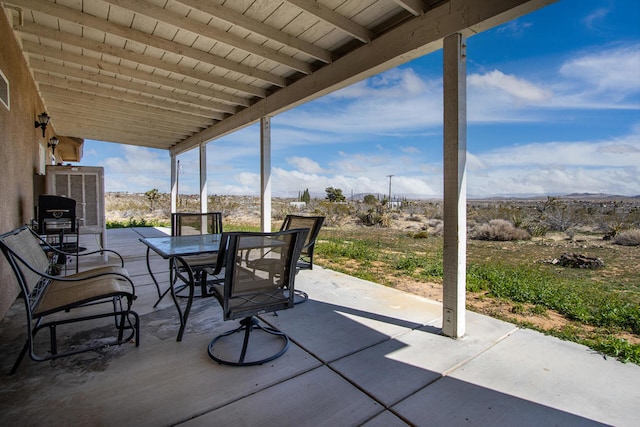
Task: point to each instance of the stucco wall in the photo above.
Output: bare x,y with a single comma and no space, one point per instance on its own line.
19,150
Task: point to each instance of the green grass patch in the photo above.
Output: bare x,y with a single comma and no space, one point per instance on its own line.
425,267
607,300
133,222
359,250
586,302
240,227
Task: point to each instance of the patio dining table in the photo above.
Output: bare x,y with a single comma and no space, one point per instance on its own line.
176,249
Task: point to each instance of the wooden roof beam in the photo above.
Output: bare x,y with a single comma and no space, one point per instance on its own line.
339,21
204,30
118,53
415,7
110,67
237,19
73,16
128,85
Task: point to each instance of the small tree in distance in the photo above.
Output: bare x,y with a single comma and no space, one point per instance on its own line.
370,199
152,195
306,197
335,195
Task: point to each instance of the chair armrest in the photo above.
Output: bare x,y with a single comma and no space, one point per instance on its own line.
58,251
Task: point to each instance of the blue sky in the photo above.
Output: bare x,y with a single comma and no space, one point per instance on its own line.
553,108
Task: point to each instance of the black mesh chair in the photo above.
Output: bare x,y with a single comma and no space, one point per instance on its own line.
188,223
259,273
313,223
305,261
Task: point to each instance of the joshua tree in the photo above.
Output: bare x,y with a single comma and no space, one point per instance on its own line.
152,195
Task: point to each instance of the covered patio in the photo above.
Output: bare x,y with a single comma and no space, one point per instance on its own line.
176,75
362,354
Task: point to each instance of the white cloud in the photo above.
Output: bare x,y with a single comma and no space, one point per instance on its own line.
613,73
515,28
140,169
594,17
410,150
610,166
395,101
617,152
305,164
520,90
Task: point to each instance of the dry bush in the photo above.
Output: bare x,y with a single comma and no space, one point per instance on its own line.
413,217
499,230
335,213
628,238
434,227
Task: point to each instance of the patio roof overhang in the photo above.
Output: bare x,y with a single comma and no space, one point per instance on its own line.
176,74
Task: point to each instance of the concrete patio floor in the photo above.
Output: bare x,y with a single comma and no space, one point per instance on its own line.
361,354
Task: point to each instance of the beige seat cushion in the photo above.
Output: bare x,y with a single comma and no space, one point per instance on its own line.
61,294
97,271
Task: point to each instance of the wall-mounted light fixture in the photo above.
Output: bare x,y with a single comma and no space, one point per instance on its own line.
53,143
43,121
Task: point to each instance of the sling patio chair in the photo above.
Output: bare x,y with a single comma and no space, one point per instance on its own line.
193,223
56,302
259,272
314,224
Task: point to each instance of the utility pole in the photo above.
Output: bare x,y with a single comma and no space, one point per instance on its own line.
389,176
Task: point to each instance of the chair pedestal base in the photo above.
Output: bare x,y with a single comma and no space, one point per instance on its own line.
247,325
299,296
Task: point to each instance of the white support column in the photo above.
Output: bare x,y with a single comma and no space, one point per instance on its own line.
265,174
174,184
203,179
455,186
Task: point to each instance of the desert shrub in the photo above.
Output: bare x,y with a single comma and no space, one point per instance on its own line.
433,210
628,238
558,215
499,230
374,218
371,217
335,213
370,199
434,227
537,229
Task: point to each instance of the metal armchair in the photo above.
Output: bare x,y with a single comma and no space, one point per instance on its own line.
305,261
259,274
52,302
314,224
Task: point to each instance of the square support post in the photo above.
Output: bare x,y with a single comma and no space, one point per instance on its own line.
203,181
265,174
455,191
174,183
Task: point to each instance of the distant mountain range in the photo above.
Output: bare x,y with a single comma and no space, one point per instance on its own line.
580,196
